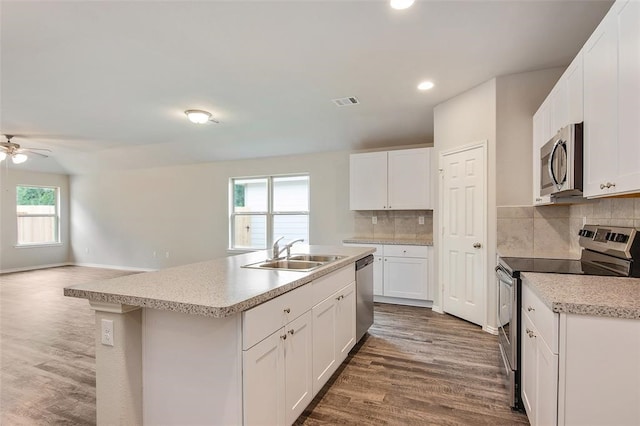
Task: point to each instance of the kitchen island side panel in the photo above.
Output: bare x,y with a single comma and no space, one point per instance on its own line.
192,369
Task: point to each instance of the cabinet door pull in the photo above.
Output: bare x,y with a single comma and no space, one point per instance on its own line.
340,297
530,333
531,309
283,337
291,331
602,186
287,310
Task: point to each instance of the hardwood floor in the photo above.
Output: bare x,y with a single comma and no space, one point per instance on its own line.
47,348
415,367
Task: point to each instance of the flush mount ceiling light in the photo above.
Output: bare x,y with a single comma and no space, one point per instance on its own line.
18,155
199,116
425,85
401,4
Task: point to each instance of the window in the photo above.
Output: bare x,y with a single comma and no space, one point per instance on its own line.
266,208
38,215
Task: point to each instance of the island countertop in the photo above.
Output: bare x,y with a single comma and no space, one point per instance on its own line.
587,294
216,288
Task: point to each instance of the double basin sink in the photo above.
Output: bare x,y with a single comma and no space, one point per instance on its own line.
296,262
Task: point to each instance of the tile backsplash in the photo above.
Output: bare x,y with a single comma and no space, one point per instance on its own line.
552,231
393,224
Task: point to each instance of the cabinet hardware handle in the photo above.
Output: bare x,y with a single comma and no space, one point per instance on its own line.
287,311
538,199
602,186
530,309
283,337
389,206
340,297
530,333
291,331
612,184
477,245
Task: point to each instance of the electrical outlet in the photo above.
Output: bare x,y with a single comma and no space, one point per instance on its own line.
155,254
166,254
374,220
86,250
420,220
584,220
107,332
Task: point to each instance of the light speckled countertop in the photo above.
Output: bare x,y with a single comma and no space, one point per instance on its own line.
587,294
391,241
216,288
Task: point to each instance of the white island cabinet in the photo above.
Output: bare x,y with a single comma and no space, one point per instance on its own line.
218,344
581,358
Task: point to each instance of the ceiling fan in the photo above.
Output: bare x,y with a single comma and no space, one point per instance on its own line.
18,155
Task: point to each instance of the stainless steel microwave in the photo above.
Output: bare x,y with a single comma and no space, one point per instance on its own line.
561,163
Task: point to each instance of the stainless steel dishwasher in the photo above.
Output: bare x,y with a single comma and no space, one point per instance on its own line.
364,295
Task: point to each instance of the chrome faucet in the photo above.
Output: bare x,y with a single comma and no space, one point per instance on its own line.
276,250
288,246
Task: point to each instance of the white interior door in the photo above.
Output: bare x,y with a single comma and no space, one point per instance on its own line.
464,232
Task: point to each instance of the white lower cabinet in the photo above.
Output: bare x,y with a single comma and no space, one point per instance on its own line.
402,273
277,379
334,333
578,369
293,344
539,376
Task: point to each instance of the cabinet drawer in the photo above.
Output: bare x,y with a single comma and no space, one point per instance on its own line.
264,319
542,317
406,251
325,286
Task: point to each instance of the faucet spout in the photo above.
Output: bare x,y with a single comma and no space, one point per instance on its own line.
288,246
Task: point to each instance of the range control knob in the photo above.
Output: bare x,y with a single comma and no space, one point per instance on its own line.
611,236
622,238
588,234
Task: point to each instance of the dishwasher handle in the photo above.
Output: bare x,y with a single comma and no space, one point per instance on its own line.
365,261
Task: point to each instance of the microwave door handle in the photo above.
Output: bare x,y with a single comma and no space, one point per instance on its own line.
554,150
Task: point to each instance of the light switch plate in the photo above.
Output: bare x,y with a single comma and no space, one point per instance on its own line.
374,220
107,332
420,220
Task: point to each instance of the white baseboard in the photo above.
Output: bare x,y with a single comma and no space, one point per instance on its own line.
120,268
401,301
491,330
33,268
438,309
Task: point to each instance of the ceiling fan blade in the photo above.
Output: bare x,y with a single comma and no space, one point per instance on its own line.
36,149
29,151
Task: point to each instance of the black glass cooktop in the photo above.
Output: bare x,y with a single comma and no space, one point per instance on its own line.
552,266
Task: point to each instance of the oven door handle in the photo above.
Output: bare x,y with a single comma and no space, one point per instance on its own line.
504,276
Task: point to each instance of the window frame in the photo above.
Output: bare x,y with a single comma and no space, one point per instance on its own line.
269,214
55,216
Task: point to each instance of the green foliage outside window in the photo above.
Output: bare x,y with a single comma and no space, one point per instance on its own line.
32,196
238,195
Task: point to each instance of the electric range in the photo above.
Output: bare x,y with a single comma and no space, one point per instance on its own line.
606,251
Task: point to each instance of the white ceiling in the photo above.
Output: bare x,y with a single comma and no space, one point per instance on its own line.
104,83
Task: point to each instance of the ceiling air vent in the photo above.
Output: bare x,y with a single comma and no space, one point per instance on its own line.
351,100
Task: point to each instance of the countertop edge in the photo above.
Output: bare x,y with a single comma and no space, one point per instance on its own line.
560,306
383,241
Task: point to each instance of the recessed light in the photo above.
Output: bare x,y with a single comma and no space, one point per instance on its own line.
401,4
198,116
425,85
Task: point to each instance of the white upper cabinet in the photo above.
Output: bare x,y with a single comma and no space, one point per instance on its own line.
541,126
575,87
368,181
612,103
391,180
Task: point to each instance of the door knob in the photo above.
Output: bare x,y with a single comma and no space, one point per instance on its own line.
477,245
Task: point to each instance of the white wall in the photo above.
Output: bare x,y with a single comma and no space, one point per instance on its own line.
121,218
499,111
518,97
21,258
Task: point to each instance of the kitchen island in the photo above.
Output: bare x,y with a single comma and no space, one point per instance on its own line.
216,343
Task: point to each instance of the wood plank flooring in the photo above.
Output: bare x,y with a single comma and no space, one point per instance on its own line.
415,367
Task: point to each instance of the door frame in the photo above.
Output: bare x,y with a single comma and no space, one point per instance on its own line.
485,211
